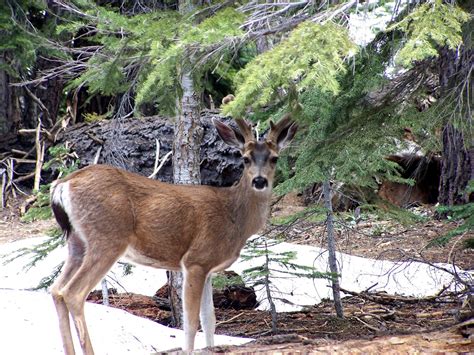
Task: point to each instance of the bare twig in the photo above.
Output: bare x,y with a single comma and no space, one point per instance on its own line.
40,104
377,330
230,319
97,155
157,167
40,146
454,246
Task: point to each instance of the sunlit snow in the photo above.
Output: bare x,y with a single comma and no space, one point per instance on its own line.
411,279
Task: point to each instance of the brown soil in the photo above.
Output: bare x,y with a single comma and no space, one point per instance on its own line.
12,228
368,327
379,239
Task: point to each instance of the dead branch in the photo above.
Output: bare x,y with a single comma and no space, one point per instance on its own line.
230,319
157,167
94,138
454,246
26,131
386,299
28,202
11,174
3,173
24,177
40,147
97,155
40,104
24,161
21,152
375,329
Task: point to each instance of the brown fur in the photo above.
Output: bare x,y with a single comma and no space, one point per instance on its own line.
197,229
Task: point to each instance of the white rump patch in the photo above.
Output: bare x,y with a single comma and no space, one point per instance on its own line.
60,195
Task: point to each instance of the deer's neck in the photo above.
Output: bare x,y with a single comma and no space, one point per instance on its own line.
250,207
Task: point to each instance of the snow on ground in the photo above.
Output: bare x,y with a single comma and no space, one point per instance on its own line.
358,274
28,325
143,280
370,18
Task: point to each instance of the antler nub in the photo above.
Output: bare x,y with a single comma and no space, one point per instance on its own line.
286,123
245,129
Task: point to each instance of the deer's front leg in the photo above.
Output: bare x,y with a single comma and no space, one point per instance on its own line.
194,279
208,318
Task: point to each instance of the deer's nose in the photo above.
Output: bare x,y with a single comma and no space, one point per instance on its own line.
259,183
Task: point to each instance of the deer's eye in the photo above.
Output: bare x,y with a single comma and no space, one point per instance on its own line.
273,160
246,160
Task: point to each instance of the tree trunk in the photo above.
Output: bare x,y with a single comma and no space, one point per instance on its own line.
457,164
336,288
186,167
273,311
49,92
10,112
457,168
187,135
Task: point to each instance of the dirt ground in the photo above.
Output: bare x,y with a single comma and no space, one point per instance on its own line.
377,238
393,325
398,326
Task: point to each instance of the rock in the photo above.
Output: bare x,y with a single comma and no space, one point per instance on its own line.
237,296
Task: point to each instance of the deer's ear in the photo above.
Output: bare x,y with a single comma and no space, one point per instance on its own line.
282,133
286,135
229,135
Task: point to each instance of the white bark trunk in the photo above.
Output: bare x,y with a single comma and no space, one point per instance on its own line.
186,167
187,135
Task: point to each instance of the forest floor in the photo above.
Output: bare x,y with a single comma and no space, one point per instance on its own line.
380,324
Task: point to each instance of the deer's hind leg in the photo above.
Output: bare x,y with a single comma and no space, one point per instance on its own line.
207,315
73,262
98,259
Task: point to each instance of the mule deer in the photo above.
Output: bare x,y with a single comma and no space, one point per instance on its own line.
107,213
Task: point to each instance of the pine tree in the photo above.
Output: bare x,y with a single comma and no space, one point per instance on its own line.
275,265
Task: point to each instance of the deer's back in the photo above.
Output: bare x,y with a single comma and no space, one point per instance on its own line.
163,223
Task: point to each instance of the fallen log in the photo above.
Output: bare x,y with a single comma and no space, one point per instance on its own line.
130,143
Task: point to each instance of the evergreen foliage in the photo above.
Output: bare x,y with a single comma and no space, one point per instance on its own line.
40,210
40,251
265,273
464,213
143,54
167,58
220,281
431,25
347,139
312,56
18,47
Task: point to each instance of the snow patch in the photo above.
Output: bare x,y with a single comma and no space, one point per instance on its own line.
30,316
358,274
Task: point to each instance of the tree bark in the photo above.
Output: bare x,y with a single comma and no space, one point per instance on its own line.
187,135
10,112
186,166
457,165
336,288
457,168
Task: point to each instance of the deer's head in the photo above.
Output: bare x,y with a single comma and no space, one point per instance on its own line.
260,156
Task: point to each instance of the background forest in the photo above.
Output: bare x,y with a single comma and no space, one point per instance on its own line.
68,62
381,91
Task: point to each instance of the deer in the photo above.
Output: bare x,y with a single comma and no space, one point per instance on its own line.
107,213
